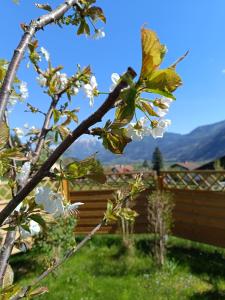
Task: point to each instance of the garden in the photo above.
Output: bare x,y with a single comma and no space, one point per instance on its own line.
103,270
70,230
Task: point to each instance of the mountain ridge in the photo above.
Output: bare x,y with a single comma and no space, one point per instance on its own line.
203,143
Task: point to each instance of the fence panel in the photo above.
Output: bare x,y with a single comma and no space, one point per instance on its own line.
199,212
95,202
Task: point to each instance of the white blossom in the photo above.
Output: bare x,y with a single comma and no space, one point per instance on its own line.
90,89
19,132
72,208
166,101
162,112
34,228
24,90
41,80
137,131
24,173
99,34
45,53
12,101
62,80
74,90
115,79
159,130
53,202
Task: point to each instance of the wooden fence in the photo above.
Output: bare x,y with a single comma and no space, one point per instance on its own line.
199,196
95,200
199,212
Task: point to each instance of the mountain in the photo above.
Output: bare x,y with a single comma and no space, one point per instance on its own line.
203,143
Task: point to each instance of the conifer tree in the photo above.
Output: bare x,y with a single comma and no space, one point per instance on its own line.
157,160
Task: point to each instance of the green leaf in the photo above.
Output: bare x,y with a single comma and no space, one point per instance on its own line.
125,112
164,80
8,292
109,215
128,214
83,28
116,140
152,52
38,291
4,166
89,167
96,13
9,228
4,134
43,6
25,227
13,153
146,107
163,93
56,115
63,131
38,218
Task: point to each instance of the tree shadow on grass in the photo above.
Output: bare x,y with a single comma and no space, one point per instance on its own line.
207,265
24,265
199,262
209,295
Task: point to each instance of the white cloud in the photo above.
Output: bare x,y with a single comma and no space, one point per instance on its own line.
223,71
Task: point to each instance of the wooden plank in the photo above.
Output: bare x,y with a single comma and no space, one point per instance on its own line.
200,210
202,234
91,213
98,205
198,220
88,221
94,198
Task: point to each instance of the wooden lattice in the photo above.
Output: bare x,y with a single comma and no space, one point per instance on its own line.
6,195
194,180
113,181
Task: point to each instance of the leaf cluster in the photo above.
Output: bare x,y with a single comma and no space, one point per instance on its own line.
84,15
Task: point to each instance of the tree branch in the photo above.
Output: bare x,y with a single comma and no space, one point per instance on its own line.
34,26
44,129
73,136
5,253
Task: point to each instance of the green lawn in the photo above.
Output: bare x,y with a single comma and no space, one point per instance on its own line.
101,270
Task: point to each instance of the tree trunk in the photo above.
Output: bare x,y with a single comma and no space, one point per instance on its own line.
5,253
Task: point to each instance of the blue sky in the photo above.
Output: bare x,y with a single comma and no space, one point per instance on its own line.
181,25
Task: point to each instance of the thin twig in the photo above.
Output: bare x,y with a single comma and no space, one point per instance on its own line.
173,66
30,31
45,129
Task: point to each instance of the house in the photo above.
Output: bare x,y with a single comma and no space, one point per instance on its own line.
122,169
184,166
216,164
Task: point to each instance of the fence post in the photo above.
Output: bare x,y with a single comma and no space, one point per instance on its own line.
65,189
160,182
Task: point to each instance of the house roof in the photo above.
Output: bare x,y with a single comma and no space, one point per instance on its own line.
122,168
188,165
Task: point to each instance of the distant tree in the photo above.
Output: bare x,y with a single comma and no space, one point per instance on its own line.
145,164
157,160
218,165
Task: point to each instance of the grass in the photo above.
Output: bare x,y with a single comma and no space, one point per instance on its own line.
102,270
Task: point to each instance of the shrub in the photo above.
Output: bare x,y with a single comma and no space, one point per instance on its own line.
160,206
56,239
